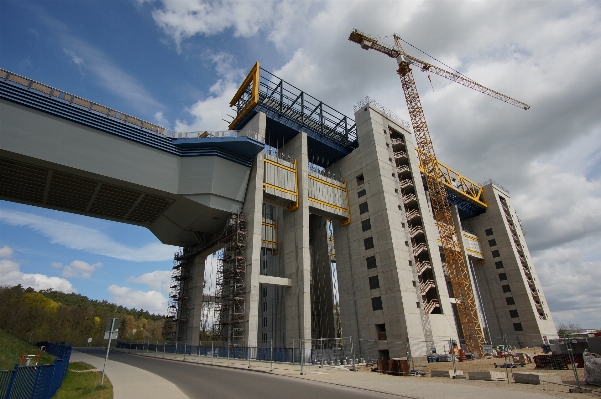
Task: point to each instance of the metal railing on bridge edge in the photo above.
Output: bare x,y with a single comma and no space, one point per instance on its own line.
76,101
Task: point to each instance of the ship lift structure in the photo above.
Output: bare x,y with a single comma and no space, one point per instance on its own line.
437,176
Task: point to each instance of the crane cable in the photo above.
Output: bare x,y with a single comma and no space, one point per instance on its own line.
435,59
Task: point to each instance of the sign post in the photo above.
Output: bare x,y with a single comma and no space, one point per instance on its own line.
112,331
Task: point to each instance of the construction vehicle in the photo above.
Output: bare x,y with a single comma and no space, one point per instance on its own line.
455,264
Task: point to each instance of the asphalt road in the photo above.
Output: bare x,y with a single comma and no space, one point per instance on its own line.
202,381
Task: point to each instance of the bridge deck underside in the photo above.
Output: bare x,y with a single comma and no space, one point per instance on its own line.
41,186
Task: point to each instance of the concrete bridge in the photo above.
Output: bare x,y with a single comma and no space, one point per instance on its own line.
62,152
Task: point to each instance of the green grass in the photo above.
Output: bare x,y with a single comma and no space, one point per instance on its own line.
84,385
12,348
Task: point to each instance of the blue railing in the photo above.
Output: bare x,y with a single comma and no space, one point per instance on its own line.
220,350
36,382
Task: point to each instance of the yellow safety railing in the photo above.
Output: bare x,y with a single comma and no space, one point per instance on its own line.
254,78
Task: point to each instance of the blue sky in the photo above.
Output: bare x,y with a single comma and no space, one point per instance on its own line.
178,62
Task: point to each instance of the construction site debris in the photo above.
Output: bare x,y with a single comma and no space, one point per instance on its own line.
592,368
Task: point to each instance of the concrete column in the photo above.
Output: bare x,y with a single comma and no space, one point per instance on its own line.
193,289
253,203
322,295
297,257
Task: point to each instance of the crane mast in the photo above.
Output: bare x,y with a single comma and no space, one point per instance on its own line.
454,261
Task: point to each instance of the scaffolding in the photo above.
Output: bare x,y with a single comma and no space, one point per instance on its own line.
230,313
179,291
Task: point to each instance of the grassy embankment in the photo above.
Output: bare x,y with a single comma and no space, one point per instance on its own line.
76,384
81,384
12,348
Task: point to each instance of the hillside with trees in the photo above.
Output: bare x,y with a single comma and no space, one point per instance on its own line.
54,316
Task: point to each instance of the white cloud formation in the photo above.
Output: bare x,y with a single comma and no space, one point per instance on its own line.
152,301
209,114
158,280
77,60
77,268
6,252
85,239
182,19
106,72
10,275
112,78
572,285
160,119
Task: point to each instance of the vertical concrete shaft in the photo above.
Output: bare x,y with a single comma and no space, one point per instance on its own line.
468,262
322,295
253,204
346,284
194,304
297,257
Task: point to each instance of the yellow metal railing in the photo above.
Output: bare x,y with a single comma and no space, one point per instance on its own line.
252,77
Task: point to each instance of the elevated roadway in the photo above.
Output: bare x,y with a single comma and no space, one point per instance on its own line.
63,152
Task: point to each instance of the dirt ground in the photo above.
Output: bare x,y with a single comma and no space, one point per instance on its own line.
562,391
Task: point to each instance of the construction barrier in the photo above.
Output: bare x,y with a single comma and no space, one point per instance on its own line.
557,362
36,382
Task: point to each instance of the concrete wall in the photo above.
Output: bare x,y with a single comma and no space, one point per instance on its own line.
494,300
392,248
297,257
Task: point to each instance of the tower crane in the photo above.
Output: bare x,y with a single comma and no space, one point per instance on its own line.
454,261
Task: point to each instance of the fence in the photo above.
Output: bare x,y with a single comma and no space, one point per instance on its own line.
326,351
36,382
335,351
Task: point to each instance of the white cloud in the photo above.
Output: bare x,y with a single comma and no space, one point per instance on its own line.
77,268
160,119
10,275
77,60
152,301
112,78
85,239
182,19
559,207
158,280
209,114
572,285
6,252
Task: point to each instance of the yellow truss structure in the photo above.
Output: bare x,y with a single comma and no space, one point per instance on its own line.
455,181
254,78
